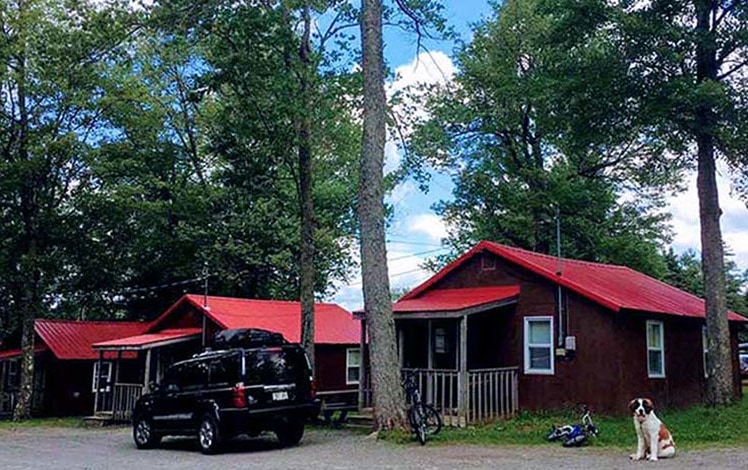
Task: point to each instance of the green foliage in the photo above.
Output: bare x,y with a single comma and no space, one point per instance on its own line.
54,57
42,423
684,272
698,427
163,145
516,156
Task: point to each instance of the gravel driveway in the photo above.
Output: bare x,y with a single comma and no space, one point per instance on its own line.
112,448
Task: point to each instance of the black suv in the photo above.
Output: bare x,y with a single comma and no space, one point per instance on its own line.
251,381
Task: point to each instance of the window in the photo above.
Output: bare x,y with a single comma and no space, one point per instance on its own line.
272,366
172,378
225,370
12,379
194,374
705,347
102,378
440,341
352,365
488,263
655,349
539,345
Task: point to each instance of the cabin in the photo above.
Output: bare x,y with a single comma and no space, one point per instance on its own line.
65,365
189,324
503,329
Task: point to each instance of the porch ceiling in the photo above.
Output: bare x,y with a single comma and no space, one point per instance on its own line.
149,340
446,303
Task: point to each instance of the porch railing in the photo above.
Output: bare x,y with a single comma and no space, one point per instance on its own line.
492,394
118,402
438,387
7,402
125,396
489,394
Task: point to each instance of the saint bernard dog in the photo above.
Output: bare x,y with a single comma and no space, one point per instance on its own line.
653,439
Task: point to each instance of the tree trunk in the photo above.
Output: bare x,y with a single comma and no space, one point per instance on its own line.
306,197
28,305
385,374
719,363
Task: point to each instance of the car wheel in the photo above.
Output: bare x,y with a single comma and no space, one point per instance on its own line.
209,435
143,434
290,433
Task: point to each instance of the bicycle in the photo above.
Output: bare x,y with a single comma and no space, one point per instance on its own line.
577,434
423,418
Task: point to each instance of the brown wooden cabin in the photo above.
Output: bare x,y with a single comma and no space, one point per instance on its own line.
187,326
503,329
64,365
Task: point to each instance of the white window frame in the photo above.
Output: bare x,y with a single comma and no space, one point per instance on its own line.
549,345
661,349
108,366
349,365
705,347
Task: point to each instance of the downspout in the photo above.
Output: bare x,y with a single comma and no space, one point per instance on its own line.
205,304
558,273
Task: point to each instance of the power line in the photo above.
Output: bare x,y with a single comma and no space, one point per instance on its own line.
403,273
404,242
417,254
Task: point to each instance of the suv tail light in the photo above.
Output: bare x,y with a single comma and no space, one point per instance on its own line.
313,388
238,395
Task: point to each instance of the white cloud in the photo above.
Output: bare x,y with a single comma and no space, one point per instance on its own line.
685,210
423,231
402,194
431,225
426,68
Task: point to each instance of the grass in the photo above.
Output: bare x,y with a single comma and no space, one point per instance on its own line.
42,422
695,428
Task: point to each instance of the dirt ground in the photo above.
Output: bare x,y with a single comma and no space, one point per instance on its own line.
112,448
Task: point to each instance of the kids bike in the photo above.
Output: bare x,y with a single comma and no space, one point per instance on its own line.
574,435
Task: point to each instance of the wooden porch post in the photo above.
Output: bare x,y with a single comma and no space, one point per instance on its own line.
3,366
116,405
96,381
147,374
462,398
116,367
362,370
400,346
430,364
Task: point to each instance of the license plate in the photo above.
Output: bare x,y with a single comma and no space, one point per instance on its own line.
280,396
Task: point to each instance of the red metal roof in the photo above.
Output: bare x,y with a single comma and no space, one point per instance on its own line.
332,323
39,348
149,338
454,299
615,287
73,339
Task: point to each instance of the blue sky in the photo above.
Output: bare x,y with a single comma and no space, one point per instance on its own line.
415,232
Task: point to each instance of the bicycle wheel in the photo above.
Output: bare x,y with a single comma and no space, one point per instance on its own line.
433,420
418,423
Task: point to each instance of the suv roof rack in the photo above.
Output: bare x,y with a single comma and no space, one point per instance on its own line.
246,338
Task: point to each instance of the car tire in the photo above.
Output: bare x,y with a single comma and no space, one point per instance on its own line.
209,435
290,433
143,434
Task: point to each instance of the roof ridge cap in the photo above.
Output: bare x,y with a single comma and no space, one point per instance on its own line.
67,320
569,260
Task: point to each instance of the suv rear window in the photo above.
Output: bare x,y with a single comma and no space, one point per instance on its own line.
225,370
273,366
